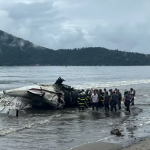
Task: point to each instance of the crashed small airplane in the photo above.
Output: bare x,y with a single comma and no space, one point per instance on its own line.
55,95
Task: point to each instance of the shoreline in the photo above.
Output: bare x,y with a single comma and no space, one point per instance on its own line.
143,144
138,144
98,146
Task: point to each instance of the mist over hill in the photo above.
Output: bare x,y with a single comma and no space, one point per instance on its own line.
15,51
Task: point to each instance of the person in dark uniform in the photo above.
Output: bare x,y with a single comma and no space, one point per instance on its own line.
101,98
132,94
106,101
125,92
127,101
113,101
119,98
81,101
105,91
88,98
110,94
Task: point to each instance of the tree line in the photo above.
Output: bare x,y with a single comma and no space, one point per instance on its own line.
30,55
93,56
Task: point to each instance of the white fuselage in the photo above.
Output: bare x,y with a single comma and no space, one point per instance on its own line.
44,93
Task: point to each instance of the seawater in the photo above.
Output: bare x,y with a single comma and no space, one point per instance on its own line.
63,129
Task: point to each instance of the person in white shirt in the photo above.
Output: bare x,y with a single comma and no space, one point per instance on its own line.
95,100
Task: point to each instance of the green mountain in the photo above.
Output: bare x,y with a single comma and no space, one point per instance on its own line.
18,52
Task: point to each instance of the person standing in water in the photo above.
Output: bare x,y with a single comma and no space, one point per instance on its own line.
94,100
125,92
127,101
119,98
106,100
132,94
81,101
110,94
101,98
105,91
113,101
88,98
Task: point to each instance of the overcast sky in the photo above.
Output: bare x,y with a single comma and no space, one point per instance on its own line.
114,24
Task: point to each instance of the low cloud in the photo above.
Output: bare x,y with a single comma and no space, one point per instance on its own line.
123,25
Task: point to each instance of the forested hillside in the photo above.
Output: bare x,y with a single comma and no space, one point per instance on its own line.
18,52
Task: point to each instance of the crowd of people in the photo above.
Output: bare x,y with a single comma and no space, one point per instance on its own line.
109,100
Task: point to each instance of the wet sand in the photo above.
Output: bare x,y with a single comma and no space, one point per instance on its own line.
142,145
99,146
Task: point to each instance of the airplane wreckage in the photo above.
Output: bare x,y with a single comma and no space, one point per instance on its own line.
56,95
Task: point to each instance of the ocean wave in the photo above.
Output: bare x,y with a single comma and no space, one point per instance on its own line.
7,131
110,84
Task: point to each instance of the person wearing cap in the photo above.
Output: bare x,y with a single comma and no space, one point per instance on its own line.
81,100
106,101
119,98
94,100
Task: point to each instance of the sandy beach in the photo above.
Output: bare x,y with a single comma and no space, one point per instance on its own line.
143,145
99,146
